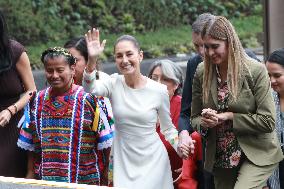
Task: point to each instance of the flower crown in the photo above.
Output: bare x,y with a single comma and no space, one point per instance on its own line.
58,51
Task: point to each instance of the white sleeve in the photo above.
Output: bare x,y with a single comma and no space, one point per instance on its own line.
167,127
97,87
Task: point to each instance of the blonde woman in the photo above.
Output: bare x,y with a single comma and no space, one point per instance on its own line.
232,102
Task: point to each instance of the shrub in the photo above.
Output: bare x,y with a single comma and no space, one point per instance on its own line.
23,25
43,21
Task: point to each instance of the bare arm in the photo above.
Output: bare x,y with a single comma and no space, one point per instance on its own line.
24,70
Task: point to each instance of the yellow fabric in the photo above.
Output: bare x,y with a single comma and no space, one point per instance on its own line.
96,120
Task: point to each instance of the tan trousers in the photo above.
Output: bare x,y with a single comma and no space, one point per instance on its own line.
247,176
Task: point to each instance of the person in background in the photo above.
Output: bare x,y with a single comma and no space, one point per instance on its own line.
184,124
139,157
184,119
169,74
233,104
16,86
185,127
275,67
78,48
67,127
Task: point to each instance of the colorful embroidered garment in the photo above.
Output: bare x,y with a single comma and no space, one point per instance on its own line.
228,150
69,134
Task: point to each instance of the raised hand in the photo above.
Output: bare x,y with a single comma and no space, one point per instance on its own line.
95,48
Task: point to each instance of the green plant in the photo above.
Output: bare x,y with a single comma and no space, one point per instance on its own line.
127,24
43,21
153,52
250,42
163,42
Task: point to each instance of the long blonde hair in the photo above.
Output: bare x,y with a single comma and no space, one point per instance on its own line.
221,29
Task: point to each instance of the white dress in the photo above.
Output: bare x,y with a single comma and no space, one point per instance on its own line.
140,160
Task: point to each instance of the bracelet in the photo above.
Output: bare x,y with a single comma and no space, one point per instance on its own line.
10,111
16,108
90,72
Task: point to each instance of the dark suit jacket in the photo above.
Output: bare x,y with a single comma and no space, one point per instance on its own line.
184,119
254,115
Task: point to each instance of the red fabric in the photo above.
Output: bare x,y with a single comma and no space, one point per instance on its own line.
188,179
175,160
175,105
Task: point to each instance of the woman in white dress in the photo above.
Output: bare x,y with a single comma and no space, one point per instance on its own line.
140,159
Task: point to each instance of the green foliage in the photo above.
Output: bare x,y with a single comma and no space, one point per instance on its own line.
248,37
160,25
248,28
127,24
163,42
43,21
234,8
23,25
153,52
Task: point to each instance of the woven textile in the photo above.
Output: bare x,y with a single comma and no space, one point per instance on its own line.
69,134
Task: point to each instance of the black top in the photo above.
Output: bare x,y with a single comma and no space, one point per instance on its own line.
13,160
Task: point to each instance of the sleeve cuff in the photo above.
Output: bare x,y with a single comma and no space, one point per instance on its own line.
89,76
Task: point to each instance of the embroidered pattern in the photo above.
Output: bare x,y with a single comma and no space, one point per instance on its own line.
64,137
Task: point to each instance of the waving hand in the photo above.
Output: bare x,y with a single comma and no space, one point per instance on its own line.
95,47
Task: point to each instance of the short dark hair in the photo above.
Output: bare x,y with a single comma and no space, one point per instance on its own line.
277,56
79,43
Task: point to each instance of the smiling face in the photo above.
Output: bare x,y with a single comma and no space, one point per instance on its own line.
127,57
80,65
158,76
216,50
276,74
59,74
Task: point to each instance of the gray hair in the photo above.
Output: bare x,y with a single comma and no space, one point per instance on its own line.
170,71
200,21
